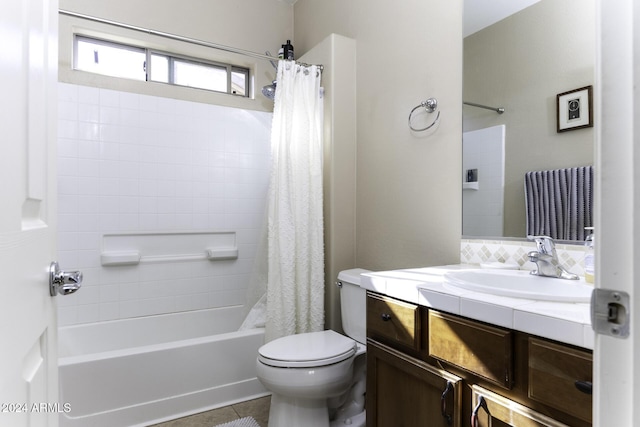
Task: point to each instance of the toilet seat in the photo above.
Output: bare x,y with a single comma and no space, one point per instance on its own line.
312,349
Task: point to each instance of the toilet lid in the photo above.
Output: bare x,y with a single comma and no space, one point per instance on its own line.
307,350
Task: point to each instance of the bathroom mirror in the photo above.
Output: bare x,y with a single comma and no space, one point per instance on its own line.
521,63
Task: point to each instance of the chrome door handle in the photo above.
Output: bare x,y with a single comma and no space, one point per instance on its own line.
63,282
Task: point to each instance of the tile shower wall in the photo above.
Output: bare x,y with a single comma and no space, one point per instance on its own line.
138,163
483,207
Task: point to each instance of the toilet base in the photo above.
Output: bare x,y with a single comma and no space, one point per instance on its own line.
358,420
289,411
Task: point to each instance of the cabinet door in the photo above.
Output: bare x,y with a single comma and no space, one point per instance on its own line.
554,371
493,410
405,392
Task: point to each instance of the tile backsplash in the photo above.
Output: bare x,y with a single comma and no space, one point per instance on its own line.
476,251
130,163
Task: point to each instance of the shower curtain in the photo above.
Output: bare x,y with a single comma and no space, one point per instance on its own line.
295,278
286,288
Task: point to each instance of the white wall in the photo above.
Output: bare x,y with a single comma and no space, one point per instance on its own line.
130,162
338,55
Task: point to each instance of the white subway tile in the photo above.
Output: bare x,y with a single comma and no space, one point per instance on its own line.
88,131
128,222
68,92
87,223
109,98
162,168
88,95
67,315
88,167
67,185
88,149
68,129
88,204
109,311
109,293
89,113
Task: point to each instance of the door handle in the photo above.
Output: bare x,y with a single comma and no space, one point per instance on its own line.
63,282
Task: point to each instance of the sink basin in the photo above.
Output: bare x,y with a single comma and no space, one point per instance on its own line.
519,284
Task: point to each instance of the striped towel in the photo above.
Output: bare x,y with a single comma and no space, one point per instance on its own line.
559,203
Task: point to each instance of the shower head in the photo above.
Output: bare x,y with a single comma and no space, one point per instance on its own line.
270,90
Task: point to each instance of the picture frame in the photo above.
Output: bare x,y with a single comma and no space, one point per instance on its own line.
574,109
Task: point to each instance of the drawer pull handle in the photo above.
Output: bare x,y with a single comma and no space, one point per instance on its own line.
481,404
443,403
385,317
584,386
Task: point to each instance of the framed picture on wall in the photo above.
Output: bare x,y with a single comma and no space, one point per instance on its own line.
575,109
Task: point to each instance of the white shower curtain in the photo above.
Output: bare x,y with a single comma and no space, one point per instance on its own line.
295,283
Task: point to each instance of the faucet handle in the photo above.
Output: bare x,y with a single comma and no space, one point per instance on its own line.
544,244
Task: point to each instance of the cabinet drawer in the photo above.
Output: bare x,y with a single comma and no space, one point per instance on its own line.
395,320
553,372
480,349
490,409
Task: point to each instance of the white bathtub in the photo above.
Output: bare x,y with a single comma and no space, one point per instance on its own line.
140,371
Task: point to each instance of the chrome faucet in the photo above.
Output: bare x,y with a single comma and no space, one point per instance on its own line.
546,259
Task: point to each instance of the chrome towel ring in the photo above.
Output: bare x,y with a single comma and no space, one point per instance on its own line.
430,105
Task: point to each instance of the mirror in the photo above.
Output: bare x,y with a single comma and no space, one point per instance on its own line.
521,63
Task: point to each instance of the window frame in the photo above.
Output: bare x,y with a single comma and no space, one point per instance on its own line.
171,58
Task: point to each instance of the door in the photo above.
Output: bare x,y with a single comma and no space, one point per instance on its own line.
616,379
28,76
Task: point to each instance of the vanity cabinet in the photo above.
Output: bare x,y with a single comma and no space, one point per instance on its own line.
494,410
402,389
429,368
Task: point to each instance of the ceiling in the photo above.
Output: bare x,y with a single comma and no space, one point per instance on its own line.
479,14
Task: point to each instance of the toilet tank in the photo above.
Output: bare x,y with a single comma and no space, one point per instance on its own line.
353,304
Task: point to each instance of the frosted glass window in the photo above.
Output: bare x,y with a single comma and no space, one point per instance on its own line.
119,60
111,59
160,68
203,76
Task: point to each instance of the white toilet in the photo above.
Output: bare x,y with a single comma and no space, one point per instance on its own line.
317,379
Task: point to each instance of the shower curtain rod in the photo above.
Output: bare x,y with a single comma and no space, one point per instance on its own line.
498,110
175,37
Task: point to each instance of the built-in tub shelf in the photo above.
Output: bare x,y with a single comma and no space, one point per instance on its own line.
135,248
470,185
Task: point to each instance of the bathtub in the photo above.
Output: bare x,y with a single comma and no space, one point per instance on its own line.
141,371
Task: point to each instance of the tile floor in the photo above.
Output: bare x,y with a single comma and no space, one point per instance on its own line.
257,408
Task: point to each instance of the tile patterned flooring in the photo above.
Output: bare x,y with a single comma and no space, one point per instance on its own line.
257,408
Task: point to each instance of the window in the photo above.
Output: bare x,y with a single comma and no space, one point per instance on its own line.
111,59
120,60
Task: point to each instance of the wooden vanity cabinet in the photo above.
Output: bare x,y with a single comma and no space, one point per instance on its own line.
402,389
414,354
405,391
494,410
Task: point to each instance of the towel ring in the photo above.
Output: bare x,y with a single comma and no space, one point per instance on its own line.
430,105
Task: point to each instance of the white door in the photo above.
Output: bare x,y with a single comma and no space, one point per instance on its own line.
28,76
616,373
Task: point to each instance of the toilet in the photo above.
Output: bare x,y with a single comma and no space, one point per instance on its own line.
317,379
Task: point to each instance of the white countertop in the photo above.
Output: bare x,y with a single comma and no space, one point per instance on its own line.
569,323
